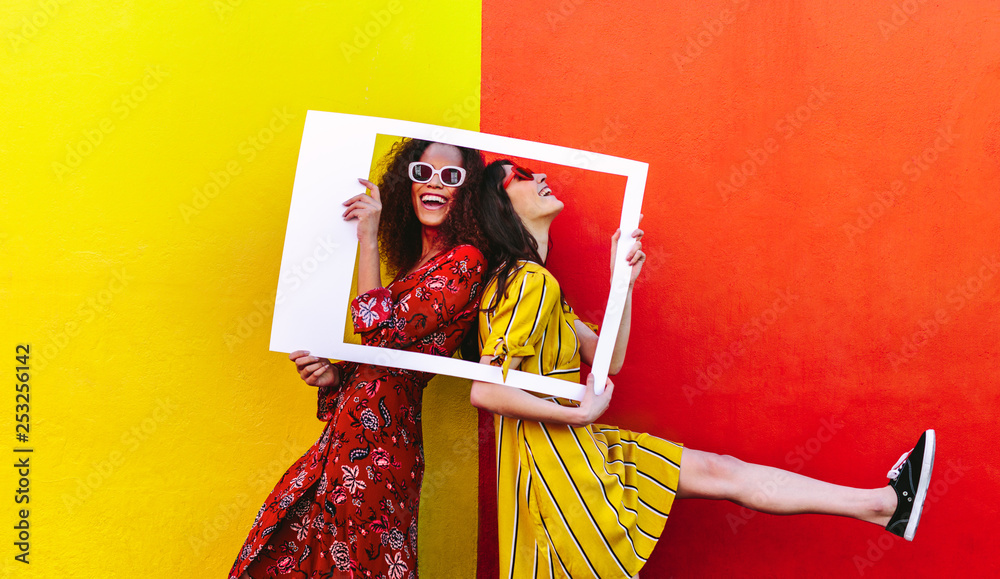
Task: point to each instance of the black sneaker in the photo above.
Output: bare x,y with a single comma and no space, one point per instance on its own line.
911,477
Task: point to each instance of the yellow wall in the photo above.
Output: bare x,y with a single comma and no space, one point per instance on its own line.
146,161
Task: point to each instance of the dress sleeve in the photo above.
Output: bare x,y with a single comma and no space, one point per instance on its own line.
326,396
442,295
572,317
517,323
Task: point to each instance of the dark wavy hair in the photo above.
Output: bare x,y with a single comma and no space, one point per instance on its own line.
399,228
508,240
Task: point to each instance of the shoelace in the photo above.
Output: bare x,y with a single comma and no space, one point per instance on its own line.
898,467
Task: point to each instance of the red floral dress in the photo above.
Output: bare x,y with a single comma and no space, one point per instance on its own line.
348,507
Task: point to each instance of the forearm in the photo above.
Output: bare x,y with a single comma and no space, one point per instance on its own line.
516,403
369,275
621,340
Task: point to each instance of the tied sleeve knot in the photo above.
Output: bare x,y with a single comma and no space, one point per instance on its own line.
501,358
503,353
514,325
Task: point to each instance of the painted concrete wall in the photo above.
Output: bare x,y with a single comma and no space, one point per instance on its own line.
823,219
147,152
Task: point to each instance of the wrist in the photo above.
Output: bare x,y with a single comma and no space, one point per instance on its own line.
579,416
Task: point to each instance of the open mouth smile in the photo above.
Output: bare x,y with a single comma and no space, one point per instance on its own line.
432,201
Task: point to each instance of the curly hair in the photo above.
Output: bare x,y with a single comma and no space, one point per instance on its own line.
399,229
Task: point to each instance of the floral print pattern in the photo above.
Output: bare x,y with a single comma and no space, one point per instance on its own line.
348,506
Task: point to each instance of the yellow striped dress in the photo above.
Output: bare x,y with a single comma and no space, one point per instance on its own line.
572,502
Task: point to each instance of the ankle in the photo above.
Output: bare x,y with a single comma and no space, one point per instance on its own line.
883,505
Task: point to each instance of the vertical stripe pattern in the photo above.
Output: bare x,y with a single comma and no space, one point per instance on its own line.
571,502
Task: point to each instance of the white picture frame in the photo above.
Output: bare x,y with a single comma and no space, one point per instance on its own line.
320,250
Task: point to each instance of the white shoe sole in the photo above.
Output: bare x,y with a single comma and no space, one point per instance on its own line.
926,468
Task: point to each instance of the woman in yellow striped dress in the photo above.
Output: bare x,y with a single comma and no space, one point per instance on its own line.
578,499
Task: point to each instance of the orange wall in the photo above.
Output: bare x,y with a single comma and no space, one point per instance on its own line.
822,214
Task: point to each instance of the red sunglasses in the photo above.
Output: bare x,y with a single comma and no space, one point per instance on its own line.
520,173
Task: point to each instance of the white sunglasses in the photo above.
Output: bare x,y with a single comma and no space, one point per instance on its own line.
451,176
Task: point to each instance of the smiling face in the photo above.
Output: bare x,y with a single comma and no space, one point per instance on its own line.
433,200
533,201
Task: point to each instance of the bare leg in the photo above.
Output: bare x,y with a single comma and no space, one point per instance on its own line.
705,475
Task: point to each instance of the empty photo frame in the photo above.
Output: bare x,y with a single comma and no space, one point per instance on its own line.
320,251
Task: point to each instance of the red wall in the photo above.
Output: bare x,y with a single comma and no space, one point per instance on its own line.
819,307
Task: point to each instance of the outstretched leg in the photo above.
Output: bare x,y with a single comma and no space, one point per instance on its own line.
705,475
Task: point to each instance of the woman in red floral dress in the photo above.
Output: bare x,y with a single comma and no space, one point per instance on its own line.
348,507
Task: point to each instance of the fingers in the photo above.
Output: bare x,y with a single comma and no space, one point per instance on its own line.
588,394
636,248
307,361
362,200
637,235
313,371
593,404
355,213
637,257
591,388
302,362
359,198
311,379
360,207
371,187
635,254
